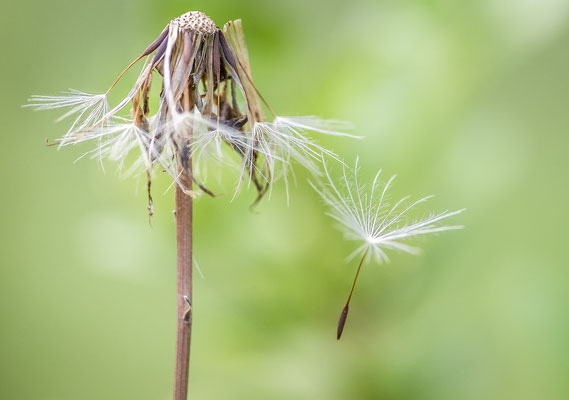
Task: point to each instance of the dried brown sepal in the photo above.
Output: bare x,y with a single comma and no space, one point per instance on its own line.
216,58
159,53
157,42
188,49
185,161
227,51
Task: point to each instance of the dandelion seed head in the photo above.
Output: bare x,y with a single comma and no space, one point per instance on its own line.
206,82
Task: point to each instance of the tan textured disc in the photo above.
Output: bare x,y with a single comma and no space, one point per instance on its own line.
196,21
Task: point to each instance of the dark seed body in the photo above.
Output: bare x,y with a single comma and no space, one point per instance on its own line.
342,322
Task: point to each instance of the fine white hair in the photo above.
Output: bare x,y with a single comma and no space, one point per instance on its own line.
365,216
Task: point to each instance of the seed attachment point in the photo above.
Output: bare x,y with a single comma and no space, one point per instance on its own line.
196,21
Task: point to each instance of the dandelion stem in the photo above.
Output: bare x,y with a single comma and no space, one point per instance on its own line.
344,314
184,288
184,219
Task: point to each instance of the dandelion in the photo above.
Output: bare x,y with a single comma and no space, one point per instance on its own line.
365,216
207,99
208,106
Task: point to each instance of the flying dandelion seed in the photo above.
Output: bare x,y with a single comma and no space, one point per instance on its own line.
365,216
207,99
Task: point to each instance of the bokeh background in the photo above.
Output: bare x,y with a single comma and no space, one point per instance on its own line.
465,100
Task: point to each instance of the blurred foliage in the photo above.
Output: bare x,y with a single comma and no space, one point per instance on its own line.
466,100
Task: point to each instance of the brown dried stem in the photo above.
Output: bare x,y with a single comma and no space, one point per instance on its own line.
184,288
184,278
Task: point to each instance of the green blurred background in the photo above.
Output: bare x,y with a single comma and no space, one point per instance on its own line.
465,100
